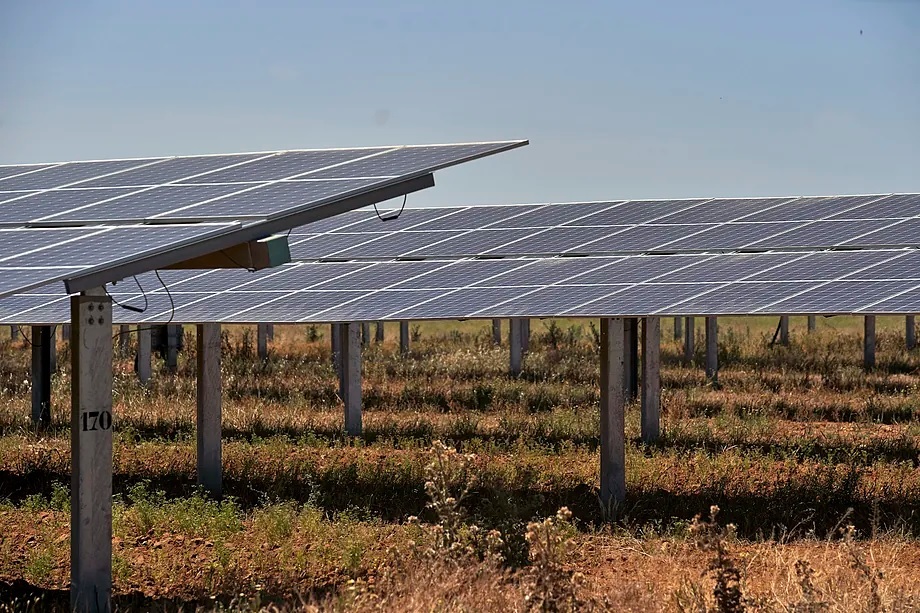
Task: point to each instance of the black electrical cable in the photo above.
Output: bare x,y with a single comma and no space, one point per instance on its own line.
392,217
172,304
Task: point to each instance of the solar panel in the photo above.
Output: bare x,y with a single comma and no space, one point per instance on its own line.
90,215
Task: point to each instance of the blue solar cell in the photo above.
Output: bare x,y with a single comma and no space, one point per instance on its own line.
376,305
555,241
50,203
730,236
897,206
548,271
288,309
339,222
113,244
726,268
462,273
69,173
634,300
637,269
837,297
474,217
893,234
393,245
150,203
285,165
552,214
12,171
821,234
274,198
637,211
176,169
326,245
549,301
824,266
471,243
13,280
721,210
408,219
899,265
736,298
27,309
643,238
376,276
407,161
14,242
461,303
904,302
811,208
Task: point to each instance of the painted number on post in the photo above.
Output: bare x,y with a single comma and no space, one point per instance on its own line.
96,420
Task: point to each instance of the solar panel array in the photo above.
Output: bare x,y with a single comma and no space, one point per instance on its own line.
60,220
810,282
618,227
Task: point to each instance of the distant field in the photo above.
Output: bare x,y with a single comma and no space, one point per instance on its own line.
813,461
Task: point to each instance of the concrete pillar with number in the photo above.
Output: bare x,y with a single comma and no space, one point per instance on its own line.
91,452
208,434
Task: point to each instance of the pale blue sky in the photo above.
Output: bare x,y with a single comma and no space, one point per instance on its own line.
619,100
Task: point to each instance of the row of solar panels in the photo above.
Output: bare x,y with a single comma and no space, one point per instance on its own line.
876,281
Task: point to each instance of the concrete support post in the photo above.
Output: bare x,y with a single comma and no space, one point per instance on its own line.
497,332
712,349
514,345
378,332
124,339
262,341
365,334
14,333
52,347
784,330
41,375
172,346
210,471
869,343
631,357
613,413
270,332
910,332
351,377
678,328
525,335
404,337
812,323
651,379
91,452
689,339
65,333
143,353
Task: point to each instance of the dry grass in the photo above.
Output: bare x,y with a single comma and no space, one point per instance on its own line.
795,445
